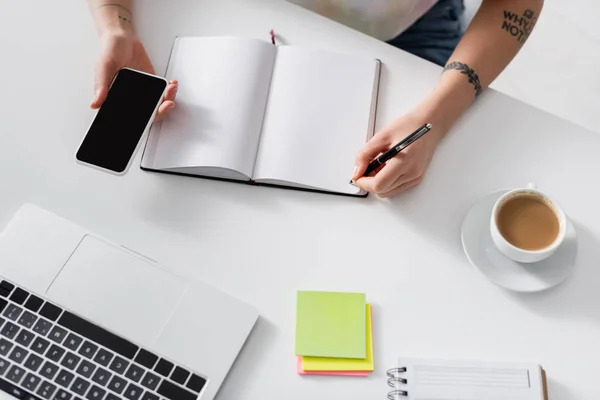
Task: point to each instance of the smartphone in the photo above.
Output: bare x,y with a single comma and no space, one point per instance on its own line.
116,132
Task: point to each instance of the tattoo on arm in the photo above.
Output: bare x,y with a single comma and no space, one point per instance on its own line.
468,71
122,18
519,26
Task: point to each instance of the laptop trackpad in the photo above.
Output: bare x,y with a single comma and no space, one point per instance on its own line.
118,290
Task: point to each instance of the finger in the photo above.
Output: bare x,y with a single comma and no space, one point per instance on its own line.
392,171
164,108
402,188
171,92
168,102
368,183
103,76
365,183
377,145
385,177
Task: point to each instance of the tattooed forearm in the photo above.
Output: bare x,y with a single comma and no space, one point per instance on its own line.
468,71
519,26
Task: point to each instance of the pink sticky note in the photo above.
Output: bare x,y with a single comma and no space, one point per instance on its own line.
300,371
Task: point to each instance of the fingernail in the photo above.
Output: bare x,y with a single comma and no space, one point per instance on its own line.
355,171
171,106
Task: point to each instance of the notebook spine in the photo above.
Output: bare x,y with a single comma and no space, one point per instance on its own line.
395,379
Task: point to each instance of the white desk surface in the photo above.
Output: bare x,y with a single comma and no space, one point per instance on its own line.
557,70
263,244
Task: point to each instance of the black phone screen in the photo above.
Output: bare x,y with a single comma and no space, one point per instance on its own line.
120,122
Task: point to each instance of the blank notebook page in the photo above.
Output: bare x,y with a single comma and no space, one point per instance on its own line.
318,117
223,87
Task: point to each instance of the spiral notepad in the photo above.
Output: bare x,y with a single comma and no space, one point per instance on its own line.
418,379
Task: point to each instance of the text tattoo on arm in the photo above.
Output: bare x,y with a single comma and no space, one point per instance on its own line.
519,26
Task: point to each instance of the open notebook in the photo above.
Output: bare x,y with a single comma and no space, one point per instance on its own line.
252,112
418,379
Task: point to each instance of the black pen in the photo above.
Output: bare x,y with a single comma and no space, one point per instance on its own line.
393,152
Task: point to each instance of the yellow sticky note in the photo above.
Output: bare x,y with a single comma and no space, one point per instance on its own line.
331,324
344,364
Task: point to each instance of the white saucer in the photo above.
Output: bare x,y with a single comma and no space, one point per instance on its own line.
483,255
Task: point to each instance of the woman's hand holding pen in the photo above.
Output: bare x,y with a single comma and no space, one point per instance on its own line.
407,168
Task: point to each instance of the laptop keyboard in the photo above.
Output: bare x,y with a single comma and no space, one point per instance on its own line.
49,353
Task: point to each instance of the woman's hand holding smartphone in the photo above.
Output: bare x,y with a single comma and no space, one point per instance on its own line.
129,107
128,98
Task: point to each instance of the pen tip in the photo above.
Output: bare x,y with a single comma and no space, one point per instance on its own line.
428,126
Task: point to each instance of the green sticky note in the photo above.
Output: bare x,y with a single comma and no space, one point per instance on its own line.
331,324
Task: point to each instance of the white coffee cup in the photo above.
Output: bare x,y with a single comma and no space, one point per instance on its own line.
516,253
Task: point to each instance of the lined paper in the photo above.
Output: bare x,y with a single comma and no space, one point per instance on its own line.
468,376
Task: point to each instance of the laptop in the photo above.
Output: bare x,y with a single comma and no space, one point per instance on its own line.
82,318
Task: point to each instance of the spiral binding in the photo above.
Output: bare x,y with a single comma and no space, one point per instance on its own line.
394,379
396,394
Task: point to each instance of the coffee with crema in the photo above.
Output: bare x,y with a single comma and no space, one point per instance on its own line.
528,222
